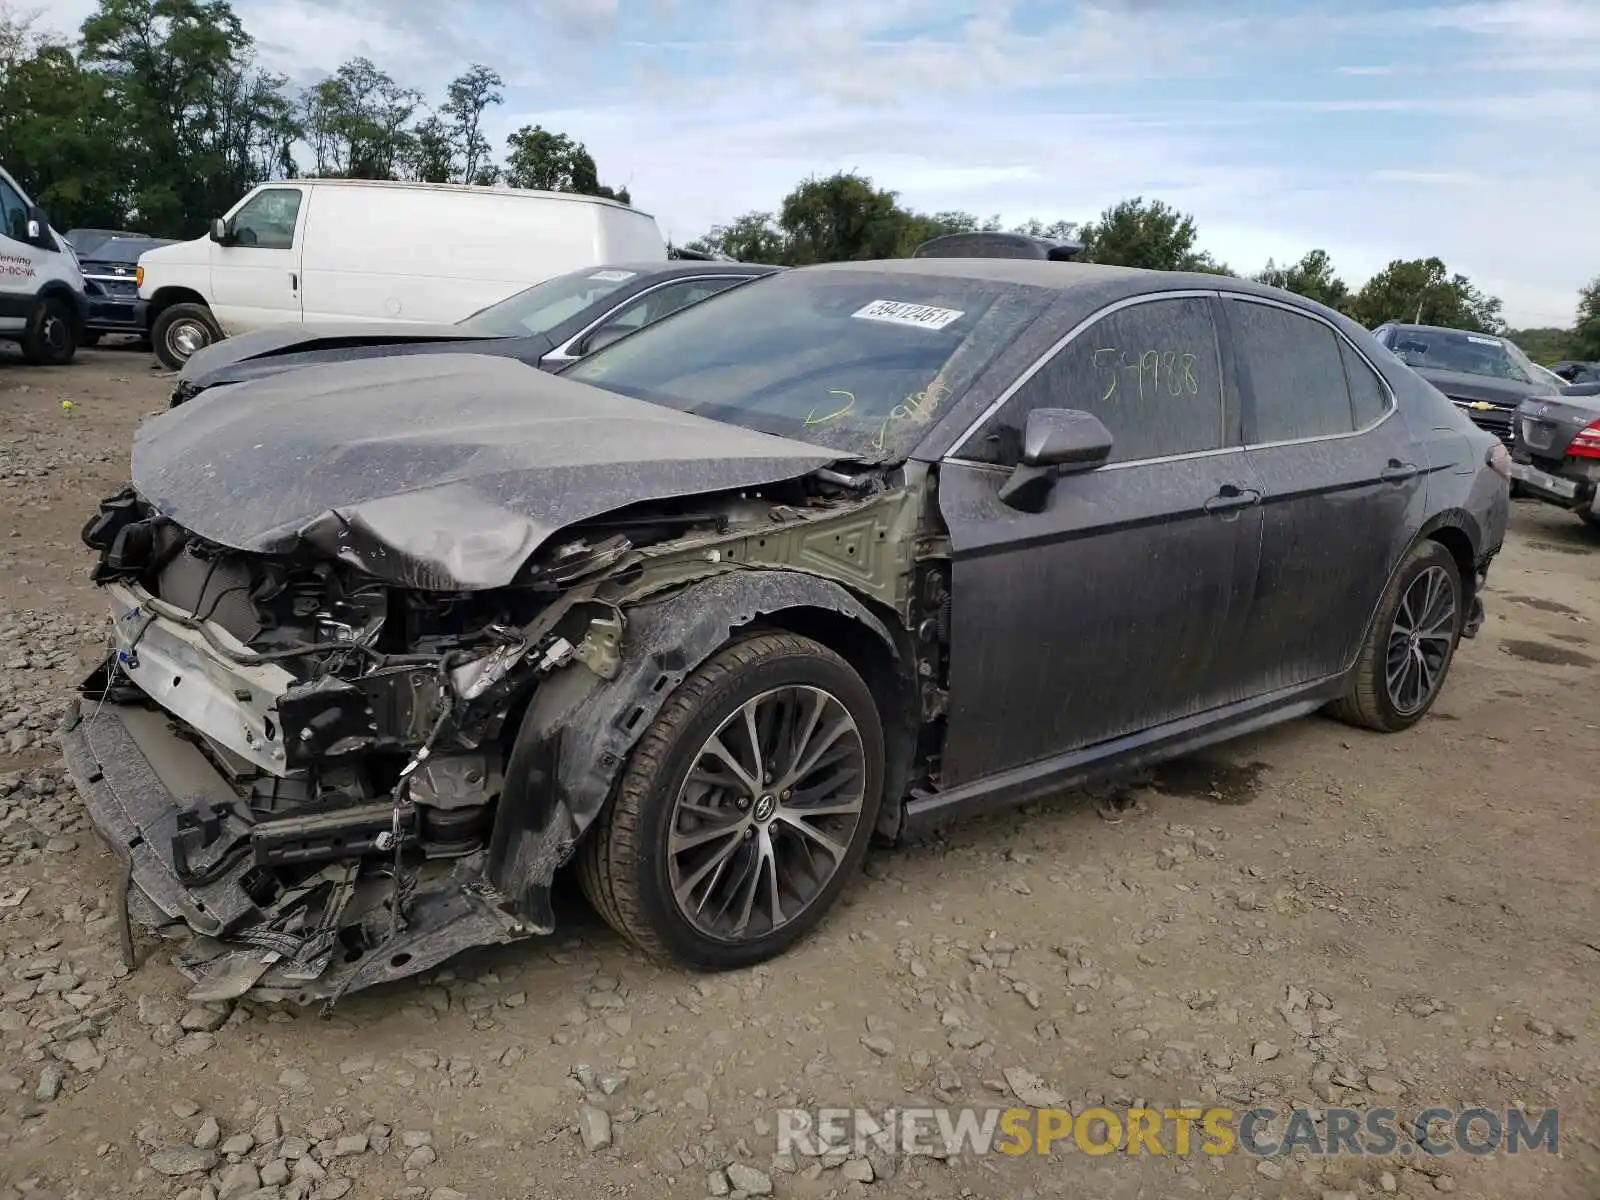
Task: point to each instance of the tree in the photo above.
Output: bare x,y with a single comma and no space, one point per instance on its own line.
547,161
468,96
1313,277
1585,343
196,122
753,238
1546,345
1149,234
841,218
356,121
433,152
1422,291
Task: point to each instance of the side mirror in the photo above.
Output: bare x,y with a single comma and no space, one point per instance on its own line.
39,229
1056,441
220,233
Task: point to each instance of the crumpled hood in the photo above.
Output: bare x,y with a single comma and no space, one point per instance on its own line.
441,473
1503,393
282,347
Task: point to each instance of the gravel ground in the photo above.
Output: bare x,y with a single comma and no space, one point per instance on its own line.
1314,915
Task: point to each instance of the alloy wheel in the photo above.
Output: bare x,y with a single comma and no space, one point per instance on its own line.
767,814
54,335
1420,640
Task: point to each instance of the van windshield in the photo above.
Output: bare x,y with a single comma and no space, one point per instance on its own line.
542,307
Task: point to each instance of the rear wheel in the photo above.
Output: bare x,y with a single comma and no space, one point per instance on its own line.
744,810
1409,649
51,338
181,329
1591,519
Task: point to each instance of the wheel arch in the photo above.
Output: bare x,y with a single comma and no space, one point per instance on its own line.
1457,531
166,297
578,729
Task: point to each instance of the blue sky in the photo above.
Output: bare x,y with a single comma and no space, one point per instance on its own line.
1469,130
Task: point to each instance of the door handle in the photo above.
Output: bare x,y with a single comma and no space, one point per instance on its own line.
1398,472
294,281
1232,496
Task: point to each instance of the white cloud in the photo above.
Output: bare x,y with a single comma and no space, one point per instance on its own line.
1487,158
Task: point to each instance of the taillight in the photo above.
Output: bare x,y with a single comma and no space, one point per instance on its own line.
138,277
1499,460
1586,444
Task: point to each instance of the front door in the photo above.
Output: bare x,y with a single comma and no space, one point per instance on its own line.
1103,614
1343,484
255,278
20,273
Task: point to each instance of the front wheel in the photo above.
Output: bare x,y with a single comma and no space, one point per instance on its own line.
744,810
1409,649
51,339
180,330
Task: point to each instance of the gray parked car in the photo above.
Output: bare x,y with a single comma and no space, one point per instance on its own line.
855,548
1556,447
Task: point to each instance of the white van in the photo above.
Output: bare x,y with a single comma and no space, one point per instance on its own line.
362,250
42,304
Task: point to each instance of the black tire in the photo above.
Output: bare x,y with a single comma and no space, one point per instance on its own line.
175,325
1591,519
623,864
1370,701
51,338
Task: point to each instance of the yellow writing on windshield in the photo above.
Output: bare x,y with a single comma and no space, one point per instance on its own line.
850,402
918,405
1148,372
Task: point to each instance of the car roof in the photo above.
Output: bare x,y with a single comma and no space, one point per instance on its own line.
689,266
1407,325
1097,281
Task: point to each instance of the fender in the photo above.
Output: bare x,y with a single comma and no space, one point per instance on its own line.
56,289
1464,523
579,729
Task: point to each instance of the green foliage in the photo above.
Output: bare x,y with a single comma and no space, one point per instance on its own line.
159,119
1422,291
1312,277
547,161
1585,344
1545,346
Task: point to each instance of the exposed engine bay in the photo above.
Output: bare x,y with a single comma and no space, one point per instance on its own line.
337,781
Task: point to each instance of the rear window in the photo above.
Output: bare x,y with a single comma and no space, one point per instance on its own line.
860,361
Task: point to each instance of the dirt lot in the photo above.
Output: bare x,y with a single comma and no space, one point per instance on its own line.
1314,916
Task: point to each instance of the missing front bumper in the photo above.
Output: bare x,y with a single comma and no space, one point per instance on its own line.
326,934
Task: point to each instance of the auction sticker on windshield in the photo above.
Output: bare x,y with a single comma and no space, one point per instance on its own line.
899,312
613,276
1483,341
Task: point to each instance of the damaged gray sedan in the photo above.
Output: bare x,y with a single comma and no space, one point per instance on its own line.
855,550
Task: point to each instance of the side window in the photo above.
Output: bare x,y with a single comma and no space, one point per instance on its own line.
1150,372
267,221
13,214
1368,400
1296,373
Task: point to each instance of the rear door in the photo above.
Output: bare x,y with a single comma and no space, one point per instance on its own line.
1343,483
255,278
1102,615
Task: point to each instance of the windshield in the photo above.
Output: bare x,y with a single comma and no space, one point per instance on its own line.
542,307
1466,353
860,361
125,250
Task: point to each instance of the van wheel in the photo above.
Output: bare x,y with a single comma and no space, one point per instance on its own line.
51,340
180,330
